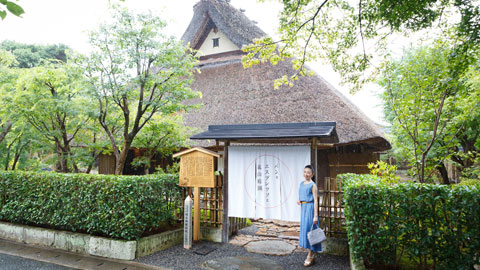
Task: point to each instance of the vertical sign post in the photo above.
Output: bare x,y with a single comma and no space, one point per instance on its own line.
197,170
196,215
187,223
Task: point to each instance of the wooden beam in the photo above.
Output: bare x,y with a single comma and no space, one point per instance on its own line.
325,141
225,224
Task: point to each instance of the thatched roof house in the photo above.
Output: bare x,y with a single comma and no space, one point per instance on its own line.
234,95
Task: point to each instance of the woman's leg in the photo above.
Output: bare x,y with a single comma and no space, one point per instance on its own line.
310,258
310,253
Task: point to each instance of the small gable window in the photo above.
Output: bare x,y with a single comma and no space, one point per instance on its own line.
216,42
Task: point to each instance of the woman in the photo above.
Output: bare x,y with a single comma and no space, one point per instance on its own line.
307,198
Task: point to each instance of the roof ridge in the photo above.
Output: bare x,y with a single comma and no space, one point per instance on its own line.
228,19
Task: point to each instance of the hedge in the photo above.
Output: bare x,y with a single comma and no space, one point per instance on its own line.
434,225
120,207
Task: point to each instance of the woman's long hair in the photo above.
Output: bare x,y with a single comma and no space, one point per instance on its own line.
313,172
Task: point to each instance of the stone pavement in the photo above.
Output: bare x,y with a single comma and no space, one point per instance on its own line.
68,259
270,247
269,230
241,263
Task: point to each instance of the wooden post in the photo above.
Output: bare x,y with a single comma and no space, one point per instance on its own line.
225,193
196,214
315,158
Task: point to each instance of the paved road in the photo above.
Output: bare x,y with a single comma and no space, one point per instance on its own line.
19,256
8,262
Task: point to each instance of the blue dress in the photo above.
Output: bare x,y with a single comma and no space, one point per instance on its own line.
306,218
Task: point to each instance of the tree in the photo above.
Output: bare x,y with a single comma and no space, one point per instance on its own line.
7,77
161,136
14,149
11,7
429,106
52,100
467,151
136,73
354,35
22,145
6,59
30,55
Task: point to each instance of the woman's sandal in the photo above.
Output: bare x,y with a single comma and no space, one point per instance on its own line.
309,261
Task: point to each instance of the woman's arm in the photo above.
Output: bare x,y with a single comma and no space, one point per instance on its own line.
315,204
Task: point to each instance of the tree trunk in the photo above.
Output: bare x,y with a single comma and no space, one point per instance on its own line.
421,177
90,166
5,131
148,165
62,165
18,152
443,173
94,155
122,157
15,161
75,167
7,159
68,153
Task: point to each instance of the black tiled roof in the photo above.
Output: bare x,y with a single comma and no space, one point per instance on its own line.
269,131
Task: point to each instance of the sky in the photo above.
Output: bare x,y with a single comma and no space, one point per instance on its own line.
68,22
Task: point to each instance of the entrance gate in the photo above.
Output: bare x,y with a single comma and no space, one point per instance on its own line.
330,202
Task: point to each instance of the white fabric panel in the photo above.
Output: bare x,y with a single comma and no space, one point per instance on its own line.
263,181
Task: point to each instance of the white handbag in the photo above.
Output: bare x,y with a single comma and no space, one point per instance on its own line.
316,236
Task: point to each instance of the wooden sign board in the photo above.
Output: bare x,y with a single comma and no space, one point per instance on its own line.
197,168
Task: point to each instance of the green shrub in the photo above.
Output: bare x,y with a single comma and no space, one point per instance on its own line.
384,171
435,225
121,207
470,182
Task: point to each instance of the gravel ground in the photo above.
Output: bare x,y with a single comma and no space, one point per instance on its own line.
178,258
250,230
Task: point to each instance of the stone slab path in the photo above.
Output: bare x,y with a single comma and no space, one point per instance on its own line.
241,263
268,230
270,247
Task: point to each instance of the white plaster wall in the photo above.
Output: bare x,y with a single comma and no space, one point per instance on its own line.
225,45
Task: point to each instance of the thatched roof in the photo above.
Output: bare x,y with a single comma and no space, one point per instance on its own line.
234,95
229,20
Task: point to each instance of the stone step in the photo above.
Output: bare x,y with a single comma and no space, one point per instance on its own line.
273,235
270,247
289,235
